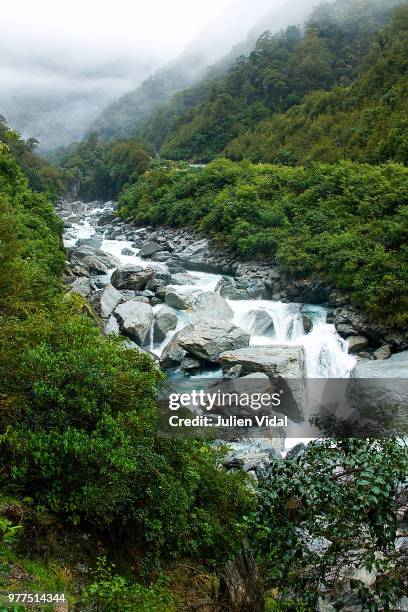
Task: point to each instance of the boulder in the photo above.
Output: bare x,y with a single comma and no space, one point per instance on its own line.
384,352
283,364
164,321
254,454
94,241
178,298
81,285
105,219
356,343
127,294
160,273
160,256
307,323
131,277
381,384
394,367
79,271
196,255
109,299
135,320
96,261
112,326
127,251
149,248
208,340
259,323
188,364
175,267
227,288
172,354
278,360
209,306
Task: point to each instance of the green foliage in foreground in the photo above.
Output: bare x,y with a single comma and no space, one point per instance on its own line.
111,592
335,511
346,222
78,411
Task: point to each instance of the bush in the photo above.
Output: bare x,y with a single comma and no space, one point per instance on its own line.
334,510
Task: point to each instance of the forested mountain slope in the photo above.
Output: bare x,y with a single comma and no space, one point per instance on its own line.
206,58
366,121
331,52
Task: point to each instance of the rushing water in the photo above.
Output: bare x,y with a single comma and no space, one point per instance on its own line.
326,353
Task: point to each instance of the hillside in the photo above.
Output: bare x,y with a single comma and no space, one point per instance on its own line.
366,121
330,52
206,58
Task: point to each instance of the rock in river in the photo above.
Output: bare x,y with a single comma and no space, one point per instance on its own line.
172,354
164,321
135,320
284,364
87,257
277,360
206,340
207,306
109,299
149,248
131,277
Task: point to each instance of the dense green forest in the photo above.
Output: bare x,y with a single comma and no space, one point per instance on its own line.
339,45
346,222
366,121
94,170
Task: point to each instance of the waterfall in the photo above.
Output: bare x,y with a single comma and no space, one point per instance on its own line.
326,354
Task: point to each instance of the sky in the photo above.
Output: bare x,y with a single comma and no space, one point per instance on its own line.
63,61
99,34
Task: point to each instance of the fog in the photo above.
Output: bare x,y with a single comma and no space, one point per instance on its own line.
62,62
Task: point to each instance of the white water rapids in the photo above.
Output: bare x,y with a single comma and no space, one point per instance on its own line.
326,353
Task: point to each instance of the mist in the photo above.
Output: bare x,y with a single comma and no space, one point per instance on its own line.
62,63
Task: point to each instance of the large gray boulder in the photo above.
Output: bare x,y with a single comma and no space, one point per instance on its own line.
227,287
94,260
173,354
381,384
394,367
283,364
131,277
109,299
94,241
196,255
357,343
149,248
164,321
278,360
179,298
81,285
209,306
135,320
207,340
